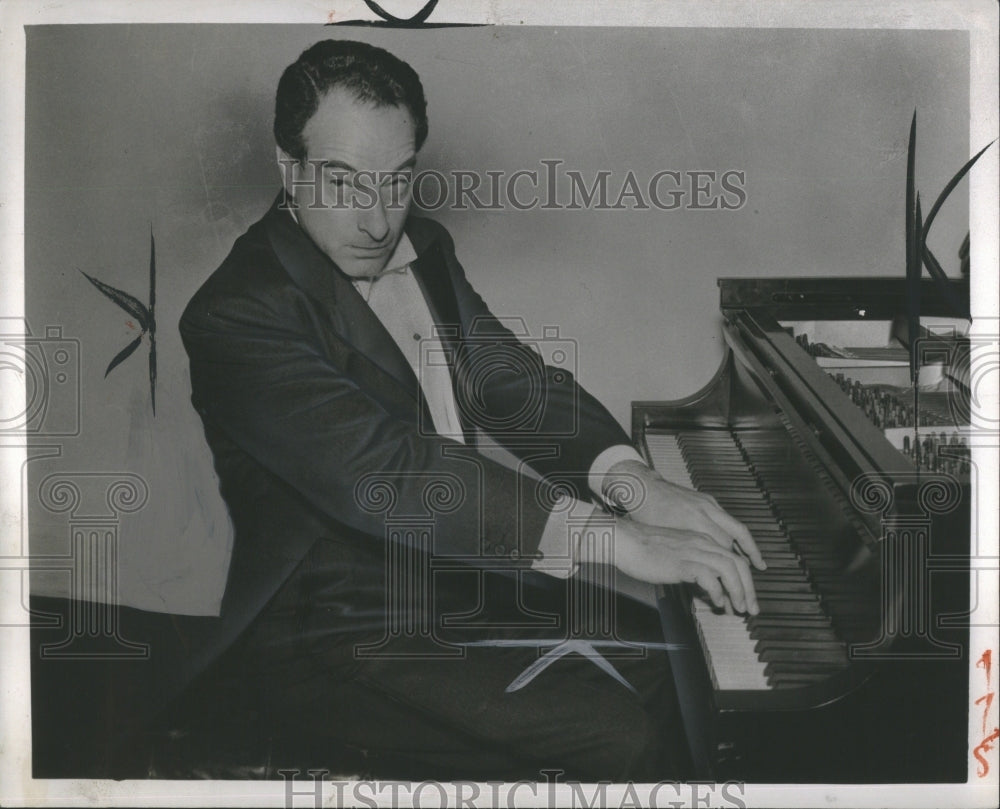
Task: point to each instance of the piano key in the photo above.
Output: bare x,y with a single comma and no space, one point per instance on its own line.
799,682
793,634
800,667
796,643
794,621
786,587
787,605
804,654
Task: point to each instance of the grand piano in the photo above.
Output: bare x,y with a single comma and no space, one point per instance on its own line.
856,668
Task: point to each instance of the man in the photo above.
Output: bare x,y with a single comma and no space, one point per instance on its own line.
333,432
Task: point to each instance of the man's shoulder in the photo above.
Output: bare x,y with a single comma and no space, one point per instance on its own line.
250,271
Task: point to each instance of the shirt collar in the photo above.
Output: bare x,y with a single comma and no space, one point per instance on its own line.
403,255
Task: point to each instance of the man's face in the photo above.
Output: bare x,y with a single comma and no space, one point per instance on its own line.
363,157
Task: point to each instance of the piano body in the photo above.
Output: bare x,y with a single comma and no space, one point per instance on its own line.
856,669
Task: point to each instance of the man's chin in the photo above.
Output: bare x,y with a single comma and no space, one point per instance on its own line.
364,268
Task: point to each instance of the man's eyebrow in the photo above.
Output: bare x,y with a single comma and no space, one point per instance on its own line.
409,163
338,164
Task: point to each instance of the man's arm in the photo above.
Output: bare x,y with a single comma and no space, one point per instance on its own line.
503,383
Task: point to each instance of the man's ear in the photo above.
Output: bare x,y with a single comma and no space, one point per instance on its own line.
287,169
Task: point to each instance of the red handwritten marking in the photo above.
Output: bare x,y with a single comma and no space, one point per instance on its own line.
985,662
330,16
985,747
988,699
130,324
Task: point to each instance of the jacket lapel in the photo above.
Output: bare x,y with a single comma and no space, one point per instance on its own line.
431,273
429,270
349,315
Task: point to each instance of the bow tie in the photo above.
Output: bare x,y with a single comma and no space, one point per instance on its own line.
371,279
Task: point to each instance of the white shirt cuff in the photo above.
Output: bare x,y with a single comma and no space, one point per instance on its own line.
569,517
602,465
561,537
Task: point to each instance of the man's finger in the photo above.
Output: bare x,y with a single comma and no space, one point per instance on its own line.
735,531
706,527
725,566
746,544
705,578
743,569
728,523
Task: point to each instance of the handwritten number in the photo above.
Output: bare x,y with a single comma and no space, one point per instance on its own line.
985,663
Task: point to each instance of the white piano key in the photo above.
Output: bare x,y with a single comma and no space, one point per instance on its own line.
667,459
730,649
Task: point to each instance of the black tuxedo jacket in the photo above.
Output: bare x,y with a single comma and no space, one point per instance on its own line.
308,403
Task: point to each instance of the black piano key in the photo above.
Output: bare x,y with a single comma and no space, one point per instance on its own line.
785,595
774,606
797,681
770,555
794,634
805,641
801,667
787,587
798,583
804,654
789,621
780,562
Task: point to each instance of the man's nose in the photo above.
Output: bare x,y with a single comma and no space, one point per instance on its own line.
373,222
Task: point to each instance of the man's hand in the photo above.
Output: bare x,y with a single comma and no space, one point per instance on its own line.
660,503
654,502
672,555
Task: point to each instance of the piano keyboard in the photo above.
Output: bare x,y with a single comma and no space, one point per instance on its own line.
793,641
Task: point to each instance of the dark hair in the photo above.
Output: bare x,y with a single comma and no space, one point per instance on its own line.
371,74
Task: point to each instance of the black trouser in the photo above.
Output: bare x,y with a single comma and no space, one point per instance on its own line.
325,664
